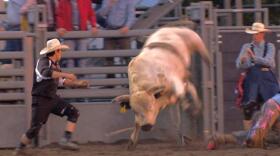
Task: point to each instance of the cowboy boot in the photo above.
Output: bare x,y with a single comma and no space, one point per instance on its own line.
259,131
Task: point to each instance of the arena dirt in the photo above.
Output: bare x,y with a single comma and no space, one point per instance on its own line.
145,148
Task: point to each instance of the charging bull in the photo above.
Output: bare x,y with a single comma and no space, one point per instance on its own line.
159,75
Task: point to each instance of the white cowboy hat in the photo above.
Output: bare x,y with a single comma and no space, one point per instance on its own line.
53,45
256,28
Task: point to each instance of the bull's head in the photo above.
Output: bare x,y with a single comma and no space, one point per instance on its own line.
146,107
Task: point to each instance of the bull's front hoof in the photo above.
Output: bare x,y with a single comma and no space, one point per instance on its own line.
131,146
181,141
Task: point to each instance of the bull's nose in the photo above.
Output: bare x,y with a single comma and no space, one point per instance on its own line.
147,127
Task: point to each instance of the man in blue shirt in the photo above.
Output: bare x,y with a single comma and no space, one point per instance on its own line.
116,15
260,84
16,10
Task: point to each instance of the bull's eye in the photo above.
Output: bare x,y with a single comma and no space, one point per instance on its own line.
157,95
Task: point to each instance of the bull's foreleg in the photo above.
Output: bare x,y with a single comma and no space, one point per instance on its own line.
175,115
134,138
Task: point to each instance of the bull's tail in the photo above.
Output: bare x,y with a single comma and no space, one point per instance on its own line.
194,43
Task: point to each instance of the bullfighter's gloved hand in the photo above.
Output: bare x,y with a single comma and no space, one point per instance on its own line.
81,84
76,83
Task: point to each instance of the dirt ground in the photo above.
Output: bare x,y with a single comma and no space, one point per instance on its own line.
145,148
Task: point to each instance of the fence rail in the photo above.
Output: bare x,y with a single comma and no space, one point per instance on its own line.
16,81
21,71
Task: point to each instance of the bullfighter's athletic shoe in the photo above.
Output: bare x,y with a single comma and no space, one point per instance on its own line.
19,151
68,145
20,148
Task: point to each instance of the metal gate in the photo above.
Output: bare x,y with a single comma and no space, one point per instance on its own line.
224,43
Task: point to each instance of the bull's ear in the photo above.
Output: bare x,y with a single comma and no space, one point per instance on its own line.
123,101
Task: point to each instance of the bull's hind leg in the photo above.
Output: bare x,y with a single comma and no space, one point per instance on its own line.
257,134
134,138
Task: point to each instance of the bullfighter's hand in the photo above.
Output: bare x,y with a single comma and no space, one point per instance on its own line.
71,76
124,30
81,83
94,30
61,31
76,83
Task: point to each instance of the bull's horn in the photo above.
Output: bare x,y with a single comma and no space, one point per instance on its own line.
122,100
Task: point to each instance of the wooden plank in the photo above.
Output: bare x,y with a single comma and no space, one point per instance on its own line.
11,72
101,53
113,81
152,16
11,55
5,35
91,103
97,70
102,34
92,93
11,96
11,84
93,82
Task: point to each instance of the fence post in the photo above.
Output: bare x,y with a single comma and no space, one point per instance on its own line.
258,15
28,75
40,29
227,5
239,15
209,90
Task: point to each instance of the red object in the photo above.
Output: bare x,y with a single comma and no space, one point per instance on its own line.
211,145
239,90
64,14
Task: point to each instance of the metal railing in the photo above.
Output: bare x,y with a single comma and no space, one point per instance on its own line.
93,92
236,16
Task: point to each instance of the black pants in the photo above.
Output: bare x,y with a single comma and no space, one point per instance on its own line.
41,109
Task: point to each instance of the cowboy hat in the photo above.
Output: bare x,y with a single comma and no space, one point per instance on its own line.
256,28
53,45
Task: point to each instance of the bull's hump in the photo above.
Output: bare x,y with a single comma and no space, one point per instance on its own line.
164,38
